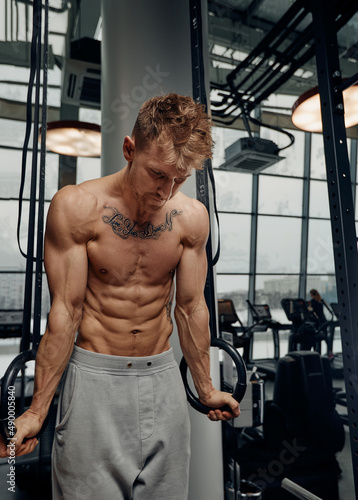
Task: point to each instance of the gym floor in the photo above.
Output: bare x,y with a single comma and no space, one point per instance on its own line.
40,489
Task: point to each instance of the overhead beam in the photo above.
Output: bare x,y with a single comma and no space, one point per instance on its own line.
294,86
277,120
237,34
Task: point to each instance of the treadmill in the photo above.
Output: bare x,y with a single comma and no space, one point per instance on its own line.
263,321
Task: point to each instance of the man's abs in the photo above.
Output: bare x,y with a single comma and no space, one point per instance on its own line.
127,322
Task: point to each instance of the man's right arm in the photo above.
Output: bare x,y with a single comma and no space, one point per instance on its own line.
66,268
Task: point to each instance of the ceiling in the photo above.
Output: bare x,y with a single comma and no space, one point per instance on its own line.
263,47
256,48
237,27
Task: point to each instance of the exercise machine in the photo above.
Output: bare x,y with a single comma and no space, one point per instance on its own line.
229,322
302,431
263,321
306,333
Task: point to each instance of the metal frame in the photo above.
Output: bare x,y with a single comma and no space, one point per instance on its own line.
253,240
202,176
253,81
305,215
341,204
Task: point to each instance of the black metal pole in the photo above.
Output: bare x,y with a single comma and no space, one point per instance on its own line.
36,336
341,204
36,52
202,176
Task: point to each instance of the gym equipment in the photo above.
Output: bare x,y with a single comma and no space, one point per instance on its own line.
252,405
333,322
303,404
263,321
240,387
8,385
249,490
297,490
261,316
36,210
227,318
302,431
306,332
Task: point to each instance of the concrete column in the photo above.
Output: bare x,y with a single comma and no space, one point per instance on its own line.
146,51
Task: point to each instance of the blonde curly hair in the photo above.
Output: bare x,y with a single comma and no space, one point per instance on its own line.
181,128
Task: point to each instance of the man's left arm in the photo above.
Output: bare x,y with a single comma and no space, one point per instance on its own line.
192,316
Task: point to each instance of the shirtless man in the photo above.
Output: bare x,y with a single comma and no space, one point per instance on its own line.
112,248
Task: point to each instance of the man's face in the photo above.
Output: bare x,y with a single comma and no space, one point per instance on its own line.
153,181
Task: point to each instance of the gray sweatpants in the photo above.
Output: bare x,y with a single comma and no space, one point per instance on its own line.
122,429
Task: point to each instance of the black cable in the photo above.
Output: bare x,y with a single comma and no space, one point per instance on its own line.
199,94
210,171
35,34
35,71
278,129
36,337
244,116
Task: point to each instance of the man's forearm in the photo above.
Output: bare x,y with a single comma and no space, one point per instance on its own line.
194,336
52,357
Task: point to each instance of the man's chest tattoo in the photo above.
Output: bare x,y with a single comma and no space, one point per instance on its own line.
124,227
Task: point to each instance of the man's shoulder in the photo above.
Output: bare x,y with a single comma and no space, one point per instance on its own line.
72,212
194,219
190,206
81,196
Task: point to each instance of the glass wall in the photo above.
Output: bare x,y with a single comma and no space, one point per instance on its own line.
280,245
12,262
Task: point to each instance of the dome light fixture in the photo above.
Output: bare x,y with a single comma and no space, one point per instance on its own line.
74,138
306,111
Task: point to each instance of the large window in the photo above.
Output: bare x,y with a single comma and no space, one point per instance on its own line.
235,287
280,195
320,250
12,263
235,243
233,191
280,246
292,164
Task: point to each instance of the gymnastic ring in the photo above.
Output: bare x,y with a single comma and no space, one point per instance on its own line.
7,393
240,387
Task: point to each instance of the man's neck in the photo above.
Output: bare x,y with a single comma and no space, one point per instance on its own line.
137,212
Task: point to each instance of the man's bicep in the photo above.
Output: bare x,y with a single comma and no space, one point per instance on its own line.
191,275
192,268
66,272
65,262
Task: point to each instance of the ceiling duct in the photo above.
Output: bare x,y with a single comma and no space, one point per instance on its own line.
250,155
81,81
81,84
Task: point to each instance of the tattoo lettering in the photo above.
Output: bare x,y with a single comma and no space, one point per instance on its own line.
124,227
